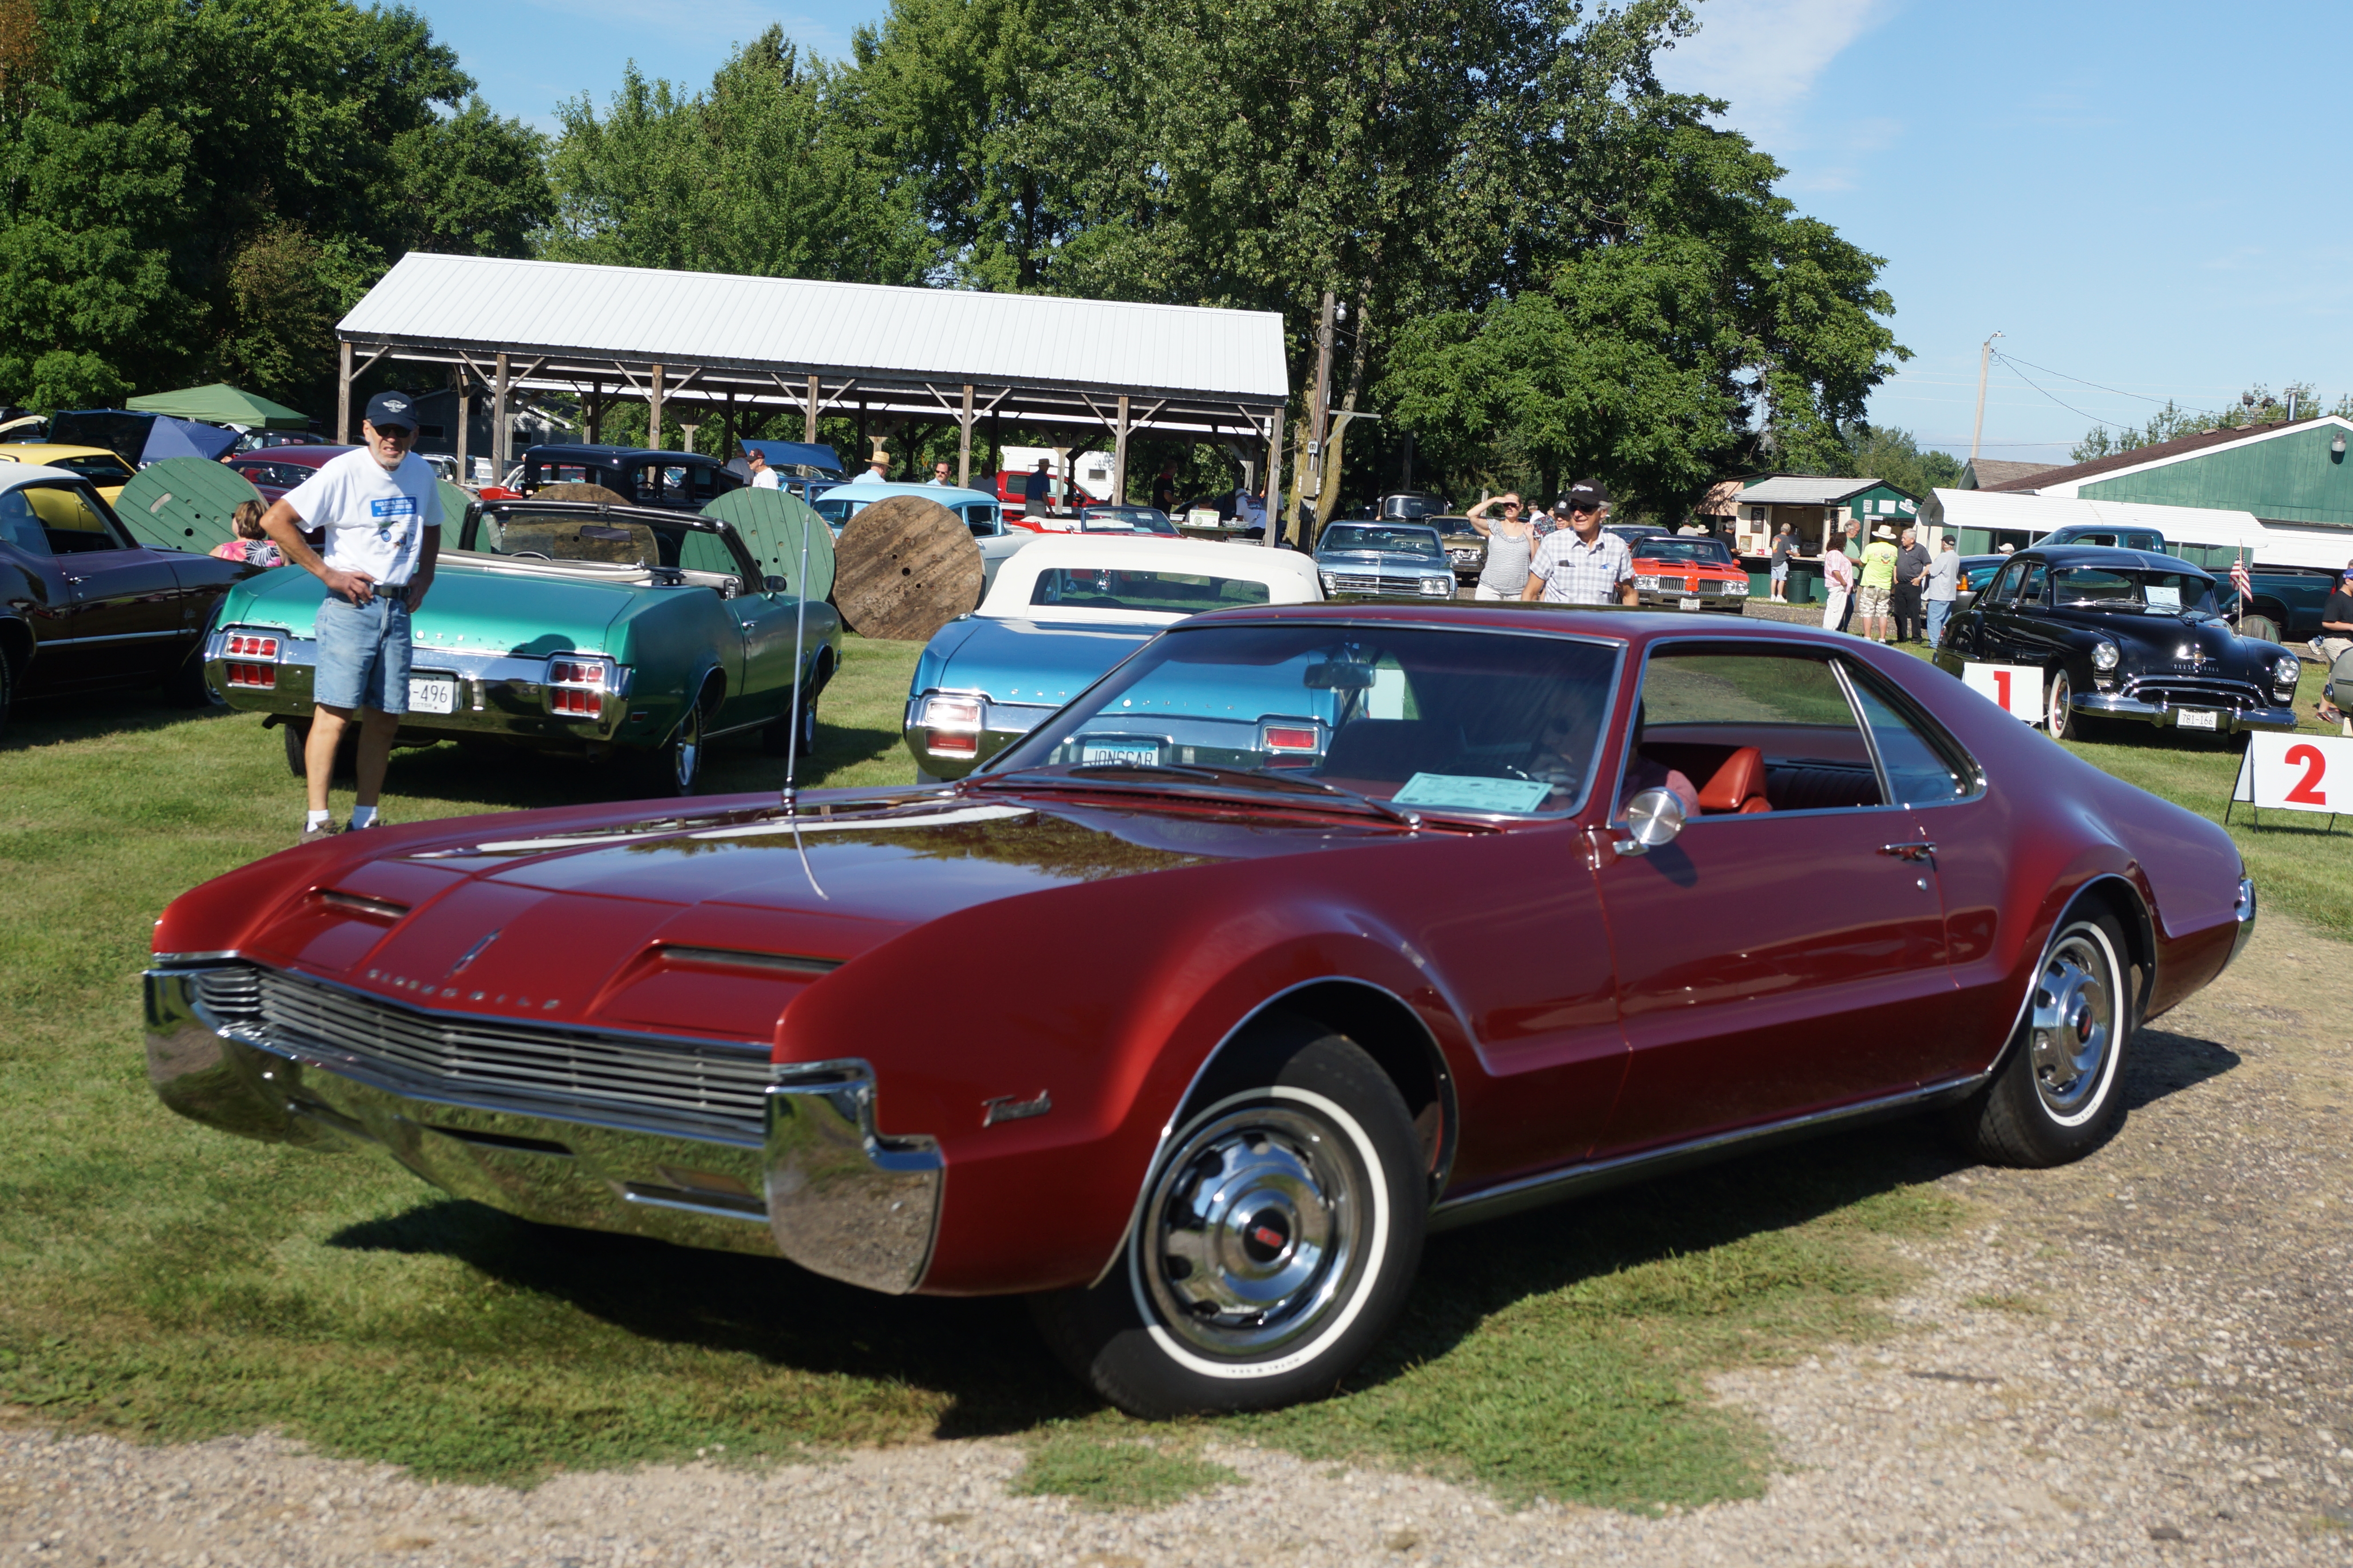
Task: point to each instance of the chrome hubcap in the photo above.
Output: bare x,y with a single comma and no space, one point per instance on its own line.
2059,695
1255,1233
2072,1025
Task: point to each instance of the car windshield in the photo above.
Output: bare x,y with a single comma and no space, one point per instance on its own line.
835,509
2135,593
1711,550
617,542
1369,536
1422,717
99,467
1410,507
1126,520
1159,593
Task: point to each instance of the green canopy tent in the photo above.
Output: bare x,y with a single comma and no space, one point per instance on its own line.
220,404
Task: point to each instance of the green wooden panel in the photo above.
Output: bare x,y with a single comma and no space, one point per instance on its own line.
772,523
2290,477
454,503
183,503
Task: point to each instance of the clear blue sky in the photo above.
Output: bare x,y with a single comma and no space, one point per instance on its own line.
2134,194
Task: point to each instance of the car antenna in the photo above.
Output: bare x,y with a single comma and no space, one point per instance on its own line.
793,733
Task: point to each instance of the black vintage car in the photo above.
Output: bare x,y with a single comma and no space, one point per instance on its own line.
645,475
2123,634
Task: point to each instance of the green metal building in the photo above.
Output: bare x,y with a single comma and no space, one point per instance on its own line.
2283,472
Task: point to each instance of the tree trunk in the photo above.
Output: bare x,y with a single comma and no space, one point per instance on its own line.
1326,503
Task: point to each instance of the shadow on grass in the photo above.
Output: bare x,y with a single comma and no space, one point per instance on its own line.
36,721
980,1352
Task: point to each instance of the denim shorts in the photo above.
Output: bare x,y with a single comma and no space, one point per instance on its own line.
363,653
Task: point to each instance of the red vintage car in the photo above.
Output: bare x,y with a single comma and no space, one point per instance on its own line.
1363,921
1685,572
274,470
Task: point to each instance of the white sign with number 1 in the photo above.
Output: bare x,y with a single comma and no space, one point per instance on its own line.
2015,688
2296,772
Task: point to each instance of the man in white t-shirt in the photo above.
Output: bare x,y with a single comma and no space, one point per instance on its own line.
381,510
763,478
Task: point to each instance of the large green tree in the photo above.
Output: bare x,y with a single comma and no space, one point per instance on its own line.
193,189
1702,326
755,175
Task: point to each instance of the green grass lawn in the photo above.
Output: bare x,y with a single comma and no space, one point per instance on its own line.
160,1278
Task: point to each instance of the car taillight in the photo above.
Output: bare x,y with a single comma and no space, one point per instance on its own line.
1293,737
576,686
253,677
952,713
947,743
1283,740
246,645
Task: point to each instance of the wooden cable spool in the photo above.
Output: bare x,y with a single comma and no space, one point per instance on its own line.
905,567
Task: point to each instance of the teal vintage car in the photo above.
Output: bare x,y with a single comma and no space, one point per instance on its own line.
599,631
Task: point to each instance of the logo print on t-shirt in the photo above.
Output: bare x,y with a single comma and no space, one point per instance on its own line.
393,506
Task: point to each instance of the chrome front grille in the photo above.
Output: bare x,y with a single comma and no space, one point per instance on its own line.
680,1084
1370,582
2183,691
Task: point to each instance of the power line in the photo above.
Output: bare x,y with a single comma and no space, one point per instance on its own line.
2070,407
2079,380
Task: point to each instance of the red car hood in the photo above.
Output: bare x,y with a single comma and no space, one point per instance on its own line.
705,925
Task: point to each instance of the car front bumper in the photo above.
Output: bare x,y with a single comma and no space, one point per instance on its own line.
799,1172
496,695
2167,715
1707,597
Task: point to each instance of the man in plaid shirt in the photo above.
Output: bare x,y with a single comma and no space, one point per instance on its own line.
1582,564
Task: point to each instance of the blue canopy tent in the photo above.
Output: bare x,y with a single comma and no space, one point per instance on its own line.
170,438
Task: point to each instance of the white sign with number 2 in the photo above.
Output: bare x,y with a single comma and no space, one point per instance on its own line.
2296,772
2015,688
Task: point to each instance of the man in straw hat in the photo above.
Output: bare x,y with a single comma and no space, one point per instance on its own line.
1871,610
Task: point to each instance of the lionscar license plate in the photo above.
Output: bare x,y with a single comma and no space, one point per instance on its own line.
1689,602
432,694
1142,753
2198,719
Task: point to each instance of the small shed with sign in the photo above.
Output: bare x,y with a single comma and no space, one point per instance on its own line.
1811,503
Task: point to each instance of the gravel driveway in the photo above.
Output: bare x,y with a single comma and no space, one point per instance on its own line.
2141,1358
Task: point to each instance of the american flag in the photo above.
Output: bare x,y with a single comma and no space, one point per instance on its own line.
2239,580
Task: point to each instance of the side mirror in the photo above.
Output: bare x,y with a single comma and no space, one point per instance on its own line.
777,584
1653,817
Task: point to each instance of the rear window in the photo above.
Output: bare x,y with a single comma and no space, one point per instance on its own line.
1158,593
559,537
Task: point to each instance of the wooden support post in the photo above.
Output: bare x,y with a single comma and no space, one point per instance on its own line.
654,409
1274,479
499,437
727,430
1119,457
463,382
595,412
808,414
964,441
343,400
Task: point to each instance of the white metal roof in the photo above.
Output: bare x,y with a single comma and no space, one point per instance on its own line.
1290,577
799,326
1803,490
2016,509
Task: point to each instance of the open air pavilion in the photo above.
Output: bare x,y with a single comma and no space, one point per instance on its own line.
729,345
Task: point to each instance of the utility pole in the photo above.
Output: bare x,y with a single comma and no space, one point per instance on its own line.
1311,493
1985,358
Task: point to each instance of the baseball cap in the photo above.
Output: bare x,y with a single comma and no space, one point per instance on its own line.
1585,493
388,409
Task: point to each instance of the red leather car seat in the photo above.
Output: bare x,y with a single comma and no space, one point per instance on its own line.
1738,785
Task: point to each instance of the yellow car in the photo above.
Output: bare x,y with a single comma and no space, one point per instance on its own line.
102,468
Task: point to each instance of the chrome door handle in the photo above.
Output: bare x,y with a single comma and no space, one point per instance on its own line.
72,581
1909,851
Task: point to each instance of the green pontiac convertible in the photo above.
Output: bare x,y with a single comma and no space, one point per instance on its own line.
572,627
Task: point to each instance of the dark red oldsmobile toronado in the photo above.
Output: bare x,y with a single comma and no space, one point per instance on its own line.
1304,931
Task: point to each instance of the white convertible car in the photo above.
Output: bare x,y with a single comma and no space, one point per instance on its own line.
1057,615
